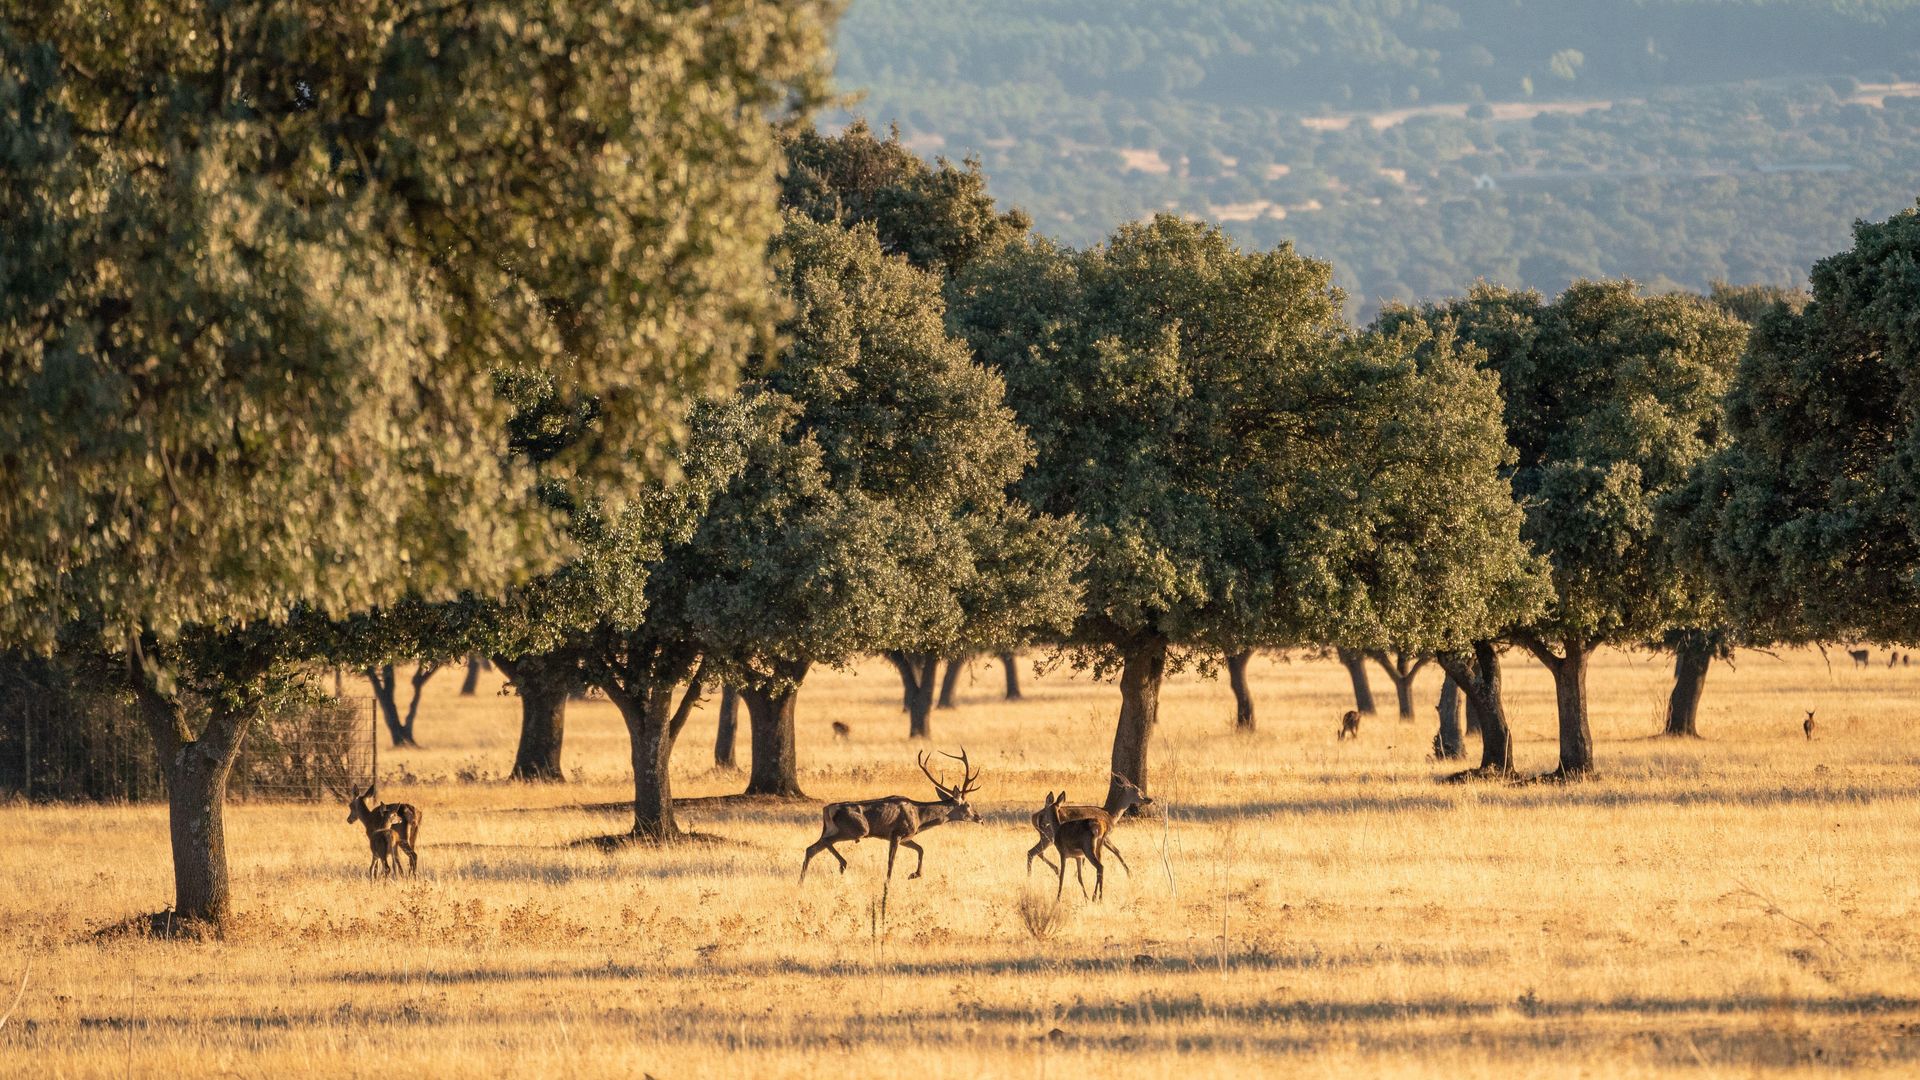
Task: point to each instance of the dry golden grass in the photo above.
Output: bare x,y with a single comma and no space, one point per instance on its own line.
1741,905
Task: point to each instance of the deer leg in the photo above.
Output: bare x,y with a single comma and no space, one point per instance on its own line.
893,848
1099,874
1108,844
1080,875
815,848
1062,870
1039,849
920,858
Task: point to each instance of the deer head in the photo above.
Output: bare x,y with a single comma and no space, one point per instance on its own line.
955,797
1131,797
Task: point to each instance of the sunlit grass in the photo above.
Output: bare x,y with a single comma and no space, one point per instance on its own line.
1741,904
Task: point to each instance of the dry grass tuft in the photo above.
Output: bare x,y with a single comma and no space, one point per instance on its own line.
1039,913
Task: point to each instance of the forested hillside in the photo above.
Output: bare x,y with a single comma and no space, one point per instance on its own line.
1422,145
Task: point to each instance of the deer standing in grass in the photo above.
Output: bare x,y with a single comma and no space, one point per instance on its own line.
1349,726
1860,657
1079,839
371,812
383,840
896,818
1128,799
1807,725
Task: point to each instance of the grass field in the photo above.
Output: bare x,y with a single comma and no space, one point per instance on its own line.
1743,905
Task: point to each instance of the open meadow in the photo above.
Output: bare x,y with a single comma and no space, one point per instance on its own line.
1741,905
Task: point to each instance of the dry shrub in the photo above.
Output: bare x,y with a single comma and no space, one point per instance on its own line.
1040,914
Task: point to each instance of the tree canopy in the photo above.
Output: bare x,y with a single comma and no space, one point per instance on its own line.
1806,522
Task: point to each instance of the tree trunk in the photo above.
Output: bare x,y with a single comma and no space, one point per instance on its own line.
1473,716
1140,677
1356,665
924,667
776,768
1242,697
471,684
725,734
1449,744
384,685
1012,667
1401,672
956,666
648,711
196,772
421,675
1692,657
544,688
1478,677
908,677
1570,699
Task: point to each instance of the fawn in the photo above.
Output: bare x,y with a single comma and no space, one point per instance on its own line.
1127,798
1077,839
1349,725
1807,725
383,840
841,732
372,813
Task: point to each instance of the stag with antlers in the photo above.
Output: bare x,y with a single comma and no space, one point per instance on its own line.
896,818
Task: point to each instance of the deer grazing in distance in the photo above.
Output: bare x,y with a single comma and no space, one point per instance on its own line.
841,732
1807,725
374,814
896,818
1349,725
1079,839
1860,657
1125,800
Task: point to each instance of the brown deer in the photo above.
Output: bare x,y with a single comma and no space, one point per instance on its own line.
1349,725
841,732
896,818
1860,657
1079,839
1126,800
367,809
1807,725
383,840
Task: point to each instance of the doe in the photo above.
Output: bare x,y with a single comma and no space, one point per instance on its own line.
367,809
1077,839
1349,725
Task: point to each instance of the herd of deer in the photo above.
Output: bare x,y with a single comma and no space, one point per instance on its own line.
1077,833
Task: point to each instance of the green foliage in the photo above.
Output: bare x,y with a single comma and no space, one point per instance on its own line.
1807,522
871,511
264,263
1611,399
941,218
1231,451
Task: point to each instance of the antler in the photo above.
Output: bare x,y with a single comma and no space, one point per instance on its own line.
943,789
969,777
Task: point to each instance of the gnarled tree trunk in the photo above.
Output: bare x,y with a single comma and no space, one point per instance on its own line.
422,673
471,684
1569,670
1141,674
544,686
956,667
1012,666
727,728
1356,664
1242,696
770,715
196,771
653,726
384,683
1692,658
1478,676
1449,744
1401,670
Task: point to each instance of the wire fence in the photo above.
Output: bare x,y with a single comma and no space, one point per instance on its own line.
68,743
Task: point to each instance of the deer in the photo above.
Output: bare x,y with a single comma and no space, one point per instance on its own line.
841,732
1860,657
896,818
1079,839
1349,725
369,811
1807,725
383,840
1127,799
